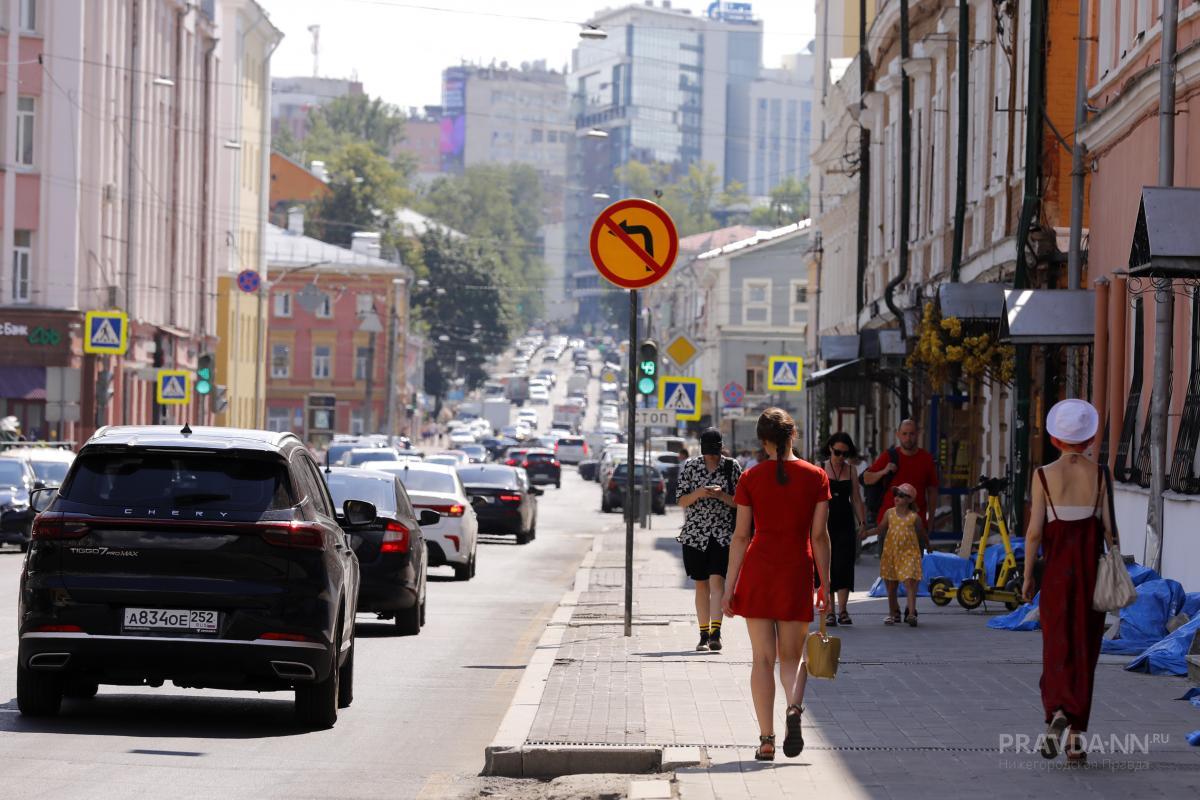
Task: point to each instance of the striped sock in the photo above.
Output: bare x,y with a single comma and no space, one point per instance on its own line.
714,628
704,630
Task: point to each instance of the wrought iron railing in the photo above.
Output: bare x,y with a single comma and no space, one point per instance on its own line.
1122,471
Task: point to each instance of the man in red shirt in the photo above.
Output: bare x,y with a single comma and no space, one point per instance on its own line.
913,465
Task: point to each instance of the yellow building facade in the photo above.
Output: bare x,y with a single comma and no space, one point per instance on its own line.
242,152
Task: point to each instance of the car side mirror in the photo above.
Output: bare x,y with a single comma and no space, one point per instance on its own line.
359,512
536,492
41,498
477,501
428,517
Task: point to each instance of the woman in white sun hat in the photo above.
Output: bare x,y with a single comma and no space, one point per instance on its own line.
1068,519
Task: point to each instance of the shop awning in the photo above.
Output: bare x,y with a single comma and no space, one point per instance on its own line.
972,301
1048,316
843,371
1166,238
838,348
23,383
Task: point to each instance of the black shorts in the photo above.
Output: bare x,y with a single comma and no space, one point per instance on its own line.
700,564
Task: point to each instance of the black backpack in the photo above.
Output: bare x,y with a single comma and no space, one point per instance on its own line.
873,495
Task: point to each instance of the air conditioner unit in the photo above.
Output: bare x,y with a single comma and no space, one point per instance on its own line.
110,192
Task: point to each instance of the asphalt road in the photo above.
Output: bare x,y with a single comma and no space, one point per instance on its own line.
424,709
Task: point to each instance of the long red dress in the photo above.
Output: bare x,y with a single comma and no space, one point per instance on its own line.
776,577
1071,630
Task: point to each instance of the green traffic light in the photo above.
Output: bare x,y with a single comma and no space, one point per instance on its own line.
203,387
204,374
646,386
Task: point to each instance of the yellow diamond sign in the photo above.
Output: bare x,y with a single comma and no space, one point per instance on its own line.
681,350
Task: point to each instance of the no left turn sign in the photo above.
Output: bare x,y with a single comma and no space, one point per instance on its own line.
634,243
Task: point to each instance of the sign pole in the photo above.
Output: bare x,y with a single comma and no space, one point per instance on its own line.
630,432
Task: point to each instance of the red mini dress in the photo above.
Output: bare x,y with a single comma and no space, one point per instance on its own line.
776,577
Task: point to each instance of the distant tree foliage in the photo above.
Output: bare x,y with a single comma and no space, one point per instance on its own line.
365,193
346,120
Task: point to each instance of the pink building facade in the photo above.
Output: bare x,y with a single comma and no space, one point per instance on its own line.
1122,154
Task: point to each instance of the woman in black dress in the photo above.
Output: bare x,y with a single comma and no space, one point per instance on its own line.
846,515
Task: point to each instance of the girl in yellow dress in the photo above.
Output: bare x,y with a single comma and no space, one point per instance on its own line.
903,546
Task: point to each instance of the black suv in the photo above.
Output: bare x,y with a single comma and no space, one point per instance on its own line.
209,557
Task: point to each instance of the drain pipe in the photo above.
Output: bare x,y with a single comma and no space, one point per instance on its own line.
1074,248
864,165
964,98
1164,300
905,198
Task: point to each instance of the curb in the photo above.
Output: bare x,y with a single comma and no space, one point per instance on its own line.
509,755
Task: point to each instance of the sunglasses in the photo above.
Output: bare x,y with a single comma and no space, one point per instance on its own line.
842,453
905,495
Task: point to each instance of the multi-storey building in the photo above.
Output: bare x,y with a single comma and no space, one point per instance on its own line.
337,337
243,100
1122,139
780,136
293,98
110,143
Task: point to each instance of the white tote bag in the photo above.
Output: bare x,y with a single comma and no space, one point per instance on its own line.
1114,587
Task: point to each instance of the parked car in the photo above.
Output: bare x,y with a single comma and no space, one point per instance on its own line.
17,481
538,395
571,449
343,443
209,557
514,456
476,453
503,499
587,469
392,556
614,489
460,456
542,467
462,436
497,446
49,463
453,539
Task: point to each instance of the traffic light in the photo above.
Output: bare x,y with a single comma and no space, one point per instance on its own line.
204,374
219,400
647,368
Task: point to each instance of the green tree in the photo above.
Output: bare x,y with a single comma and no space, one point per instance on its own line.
365,192
462,292
694,199
789,203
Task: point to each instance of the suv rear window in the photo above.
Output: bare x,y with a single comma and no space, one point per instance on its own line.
12,473
380,493
536,457
489,476
422,480
639,471
50,471
570,442
180,480
382,454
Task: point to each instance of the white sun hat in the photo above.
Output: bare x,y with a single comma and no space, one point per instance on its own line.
1073,421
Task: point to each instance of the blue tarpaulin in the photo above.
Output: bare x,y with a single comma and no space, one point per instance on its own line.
1018,620
933,565
1168,656
1145,621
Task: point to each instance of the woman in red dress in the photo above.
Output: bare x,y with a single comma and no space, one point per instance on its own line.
1068,519
771,572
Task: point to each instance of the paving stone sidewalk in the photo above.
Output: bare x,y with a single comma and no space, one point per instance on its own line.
913,712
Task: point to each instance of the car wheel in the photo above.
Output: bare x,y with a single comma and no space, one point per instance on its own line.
474,560
523,537
408,621
24,547
604,506
39,694
462,572
317,703
424,600
558,484
346,680
81,689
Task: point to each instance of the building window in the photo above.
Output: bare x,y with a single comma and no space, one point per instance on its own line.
24,150
322,362
799,302
29,9
281,361
364,304
535,135
283,304
756,302
21,277
362,357
279,419
358,425
756,374
325,310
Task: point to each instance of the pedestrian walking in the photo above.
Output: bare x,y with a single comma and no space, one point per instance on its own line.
847,516
771,575
706,490
1070,516
903,545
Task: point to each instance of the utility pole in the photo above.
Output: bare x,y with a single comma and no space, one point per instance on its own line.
864,164
1164,299
1074,248
389,413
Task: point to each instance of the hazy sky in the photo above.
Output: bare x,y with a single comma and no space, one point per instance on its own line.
398,48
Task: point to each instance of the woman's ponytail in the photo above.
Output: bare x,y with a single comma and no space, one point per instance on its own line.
777,427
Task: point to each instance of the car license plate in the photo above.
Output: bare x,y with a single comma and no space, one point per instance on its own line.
170,619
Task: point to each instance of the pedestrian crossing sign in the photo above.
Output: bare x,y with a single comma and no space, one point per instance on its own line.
173,387
106,333
681,395
784,373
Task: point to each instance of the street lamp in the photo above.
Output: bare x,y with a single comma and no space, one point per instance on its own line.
593,32
596,133
601,196
163,80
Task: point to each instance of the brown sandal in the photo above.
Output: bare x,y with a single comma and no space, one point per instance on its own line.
763,755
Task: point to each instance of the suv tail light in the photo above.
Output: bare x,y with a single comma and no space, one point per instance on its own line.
395,538
510,498
585,450
525,465
287,637
56,527
292,534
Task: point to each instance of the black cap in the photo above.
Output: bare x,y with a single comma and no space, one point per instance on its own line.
710,442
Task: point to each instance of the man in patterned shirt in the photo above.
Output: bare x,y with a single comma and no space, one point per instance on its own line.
706,485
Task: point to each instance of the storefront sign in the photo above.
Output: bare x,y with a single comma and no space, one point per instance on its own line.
36,335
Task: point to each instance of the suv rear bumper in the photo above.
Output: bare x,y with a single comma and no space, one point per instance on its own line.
192,662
